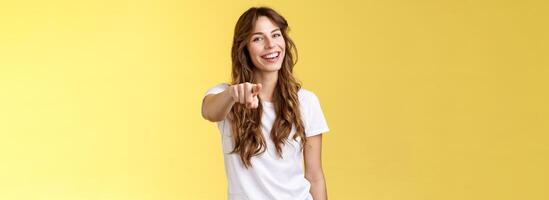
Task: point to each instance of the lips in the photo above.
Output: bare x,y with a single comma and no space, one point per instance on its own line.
271,57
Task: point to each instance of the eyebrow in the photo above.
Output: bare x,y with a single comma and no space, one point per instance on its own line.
259,33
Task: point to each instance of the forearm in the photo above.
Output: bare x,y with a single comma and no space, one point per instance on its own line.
217,106
318,189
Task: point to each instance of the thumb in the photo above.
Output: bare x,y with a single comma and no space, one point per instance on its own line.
256,88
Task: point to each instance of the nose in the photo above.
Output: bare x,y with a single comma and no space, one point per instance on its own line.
269,44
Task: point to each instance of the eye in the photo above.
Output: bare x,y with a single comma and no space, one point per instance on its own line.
257,39
277,35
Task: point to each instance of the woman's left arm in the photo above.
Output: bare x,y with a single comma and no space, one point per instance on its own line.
313,167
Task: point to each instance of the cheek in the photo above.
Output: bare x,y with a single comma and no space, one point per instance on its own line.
282,44
254,51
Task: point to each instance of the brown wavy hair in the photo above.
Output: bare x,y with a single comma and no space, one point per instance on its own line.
247,137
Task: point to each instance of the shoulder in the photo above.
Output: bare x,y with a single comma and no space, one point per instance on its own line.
307,96
220,87
311,112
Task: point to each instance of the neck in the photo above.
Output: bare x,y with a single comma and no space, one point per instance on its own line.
268,82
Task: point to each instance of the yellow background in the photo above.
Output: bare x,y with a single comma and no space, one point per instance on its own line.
426,100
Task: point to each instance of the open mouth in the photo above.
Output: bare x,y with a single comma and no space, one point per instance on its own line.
271,57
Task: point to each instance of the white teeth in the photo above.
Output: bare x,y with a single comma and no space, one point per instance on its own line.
272,55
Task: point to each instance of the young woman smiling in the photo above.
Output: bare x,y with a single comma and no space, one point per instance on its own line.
269,124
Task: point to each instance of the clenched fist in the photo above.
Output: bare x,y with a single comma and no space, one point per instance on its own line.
246,93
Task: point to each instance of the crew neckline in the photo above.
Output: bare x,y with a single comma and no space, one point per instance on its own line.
267,103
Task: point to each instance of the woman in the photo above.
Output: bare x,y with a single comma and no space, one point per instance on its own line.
266,118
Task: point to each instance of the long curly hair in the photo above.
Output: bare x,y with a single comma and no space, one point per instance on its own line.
246,123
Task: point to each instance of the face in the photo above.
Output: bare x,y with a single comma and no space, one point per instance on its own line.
266,45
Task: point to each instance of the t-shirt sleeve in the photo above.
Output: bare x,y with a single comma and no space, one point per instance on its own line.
315,122
215,90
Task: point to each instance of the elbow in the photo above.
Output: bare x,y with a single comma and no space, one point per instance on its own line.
209,115
205,115
210,118
315,177
215,119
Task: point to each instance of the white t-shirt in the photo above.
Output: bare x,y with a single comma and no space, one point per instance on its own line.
271,177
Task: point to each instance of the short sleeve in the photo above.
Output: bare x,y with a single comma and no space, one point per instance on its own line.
315,123
215,90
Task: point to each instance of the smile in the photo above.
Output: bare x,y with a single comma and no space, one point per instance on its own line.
271,57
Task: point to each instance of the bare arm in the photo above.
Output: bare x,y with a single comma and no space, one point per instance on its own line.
313,167
215,107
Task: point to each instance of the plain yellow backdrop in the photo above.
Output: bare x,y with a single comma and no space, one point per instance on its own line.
426,100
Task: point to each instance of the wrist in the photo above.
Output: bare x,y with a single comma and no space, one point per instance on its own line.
230,95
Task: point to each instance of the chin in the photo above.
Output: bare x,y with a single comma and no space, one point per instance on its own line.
270,67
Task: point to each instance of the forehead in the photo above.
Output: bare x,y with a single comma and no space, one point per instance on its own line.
264,25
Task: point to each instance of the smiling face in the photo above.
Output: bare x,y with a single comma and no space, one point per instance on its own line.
266,45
